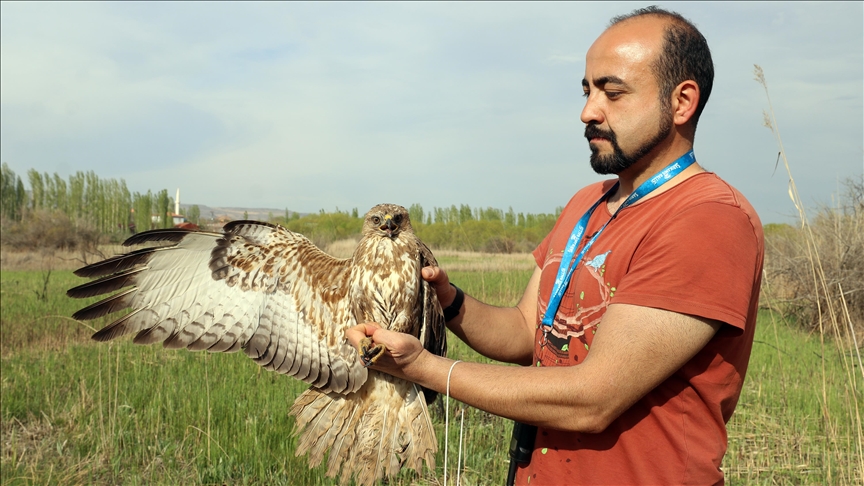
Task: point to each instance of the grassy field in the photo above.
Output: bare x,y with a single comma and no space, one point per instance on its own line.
77,412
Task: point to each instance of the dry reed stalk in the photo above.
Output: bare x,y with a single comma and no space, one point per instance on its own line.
820,285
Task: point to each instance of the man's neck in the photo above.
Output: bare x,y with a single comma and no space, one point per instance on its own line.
634,176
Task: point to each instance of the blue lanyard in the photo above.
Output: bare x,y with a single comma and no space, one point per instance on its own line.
567,266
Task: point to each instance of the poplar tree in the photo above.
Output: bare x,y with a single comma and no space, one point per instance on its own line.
12,195
37,188
193,214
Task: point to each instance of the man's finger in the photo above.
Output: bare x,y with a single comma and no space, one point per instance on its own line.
441,283
356,333
435,275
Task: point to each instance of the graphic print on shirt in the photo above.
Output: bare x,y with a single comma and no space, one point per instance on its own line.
569,338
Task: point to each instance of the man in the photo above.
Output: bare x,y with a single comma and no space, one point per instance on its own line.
639,364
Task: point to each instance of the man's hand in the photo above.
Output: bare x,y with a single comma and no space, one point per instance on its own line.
441,283
402,352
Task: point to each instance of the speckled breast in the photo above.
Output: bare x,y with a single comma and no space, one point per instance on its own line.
385,284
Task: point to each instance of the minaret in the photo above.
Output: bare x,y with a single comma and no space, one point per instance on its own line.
177,202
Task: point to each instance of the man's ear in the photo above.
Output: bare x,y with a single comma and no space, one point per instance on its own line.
685,99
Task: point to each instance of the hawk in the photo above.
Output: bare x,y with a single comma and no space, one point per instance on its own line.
271,293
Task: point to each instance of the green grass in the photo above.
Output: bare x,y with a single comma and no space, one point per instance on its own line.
786,429
78,412
74,411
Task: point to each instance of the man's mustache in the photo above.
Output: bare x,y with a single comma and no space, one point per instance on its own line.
593,131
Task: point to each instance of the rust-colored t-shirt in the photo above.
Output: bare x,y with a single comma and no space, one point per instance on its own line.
695,249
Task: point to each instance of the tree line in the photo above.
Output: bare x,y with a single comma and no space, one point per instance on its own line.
455,227
108,207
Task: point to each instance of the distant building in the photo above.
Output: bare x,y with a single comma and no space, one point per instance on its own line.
177,220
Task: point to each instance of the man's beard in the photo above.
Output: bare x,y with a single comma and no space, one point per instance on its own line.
618,161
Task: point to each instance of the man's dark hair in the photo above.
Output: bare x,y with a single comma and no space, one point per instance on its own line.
685,55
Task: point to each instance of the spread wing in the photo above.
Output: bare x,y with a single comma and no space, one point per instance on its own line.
256,287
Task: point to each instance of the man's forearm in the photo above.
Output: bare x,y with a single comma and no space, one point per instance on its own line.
549,397
499,333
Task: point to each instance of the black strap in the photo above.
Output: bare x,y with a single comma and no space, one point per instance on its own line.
453,309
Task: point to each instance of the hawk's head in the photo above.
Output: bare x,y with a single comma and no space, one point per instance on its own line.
387,220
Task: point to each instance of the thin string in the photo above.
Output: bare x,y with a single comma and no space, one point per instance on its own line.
447,424
459,457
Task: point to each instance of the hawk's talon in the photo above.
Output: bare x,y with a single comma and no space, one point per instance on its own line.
369,354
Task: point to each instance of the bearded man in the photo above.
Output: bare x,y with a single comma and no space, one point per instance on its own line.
636,327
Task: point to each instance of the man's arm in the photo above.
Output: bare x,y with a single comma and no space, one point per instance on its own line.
501,333
634,350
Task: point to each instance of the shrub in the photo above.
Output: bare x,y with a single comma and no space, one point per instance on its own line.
835,246
51,230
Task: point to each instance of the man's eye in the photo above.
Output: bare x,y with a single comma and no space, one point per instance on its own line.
612,94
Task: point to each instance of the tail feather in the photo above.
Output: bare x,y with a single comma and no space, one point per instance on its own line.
324,413
370,434
333,416
342,445
417,451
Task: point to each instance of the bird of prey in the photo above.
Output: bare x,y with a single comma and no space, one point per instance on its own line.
271,293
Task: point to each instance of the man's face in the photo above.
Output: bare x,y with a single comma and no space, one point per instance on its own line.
624,118
618,160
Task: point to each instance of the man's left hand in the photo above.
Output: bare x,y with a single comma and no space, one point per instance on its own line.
402,350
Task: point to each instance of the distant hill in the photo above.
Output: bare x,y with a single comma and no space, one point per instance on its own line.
259,214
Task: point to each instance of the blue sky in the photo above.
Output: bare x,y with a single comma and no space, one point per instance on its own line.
312,106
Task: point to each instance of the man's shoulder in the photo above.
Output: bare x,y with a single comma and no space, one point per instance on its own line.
709,188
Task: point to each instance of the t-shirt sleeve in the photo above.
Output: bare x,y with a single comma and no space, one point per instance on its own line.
703,262
540,252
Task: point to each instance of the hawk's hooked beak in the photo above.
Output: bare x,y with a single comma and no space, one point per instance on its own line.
388,225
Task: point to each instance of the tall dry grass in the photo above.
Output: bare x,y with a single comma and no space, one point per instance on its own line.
814,277
454,260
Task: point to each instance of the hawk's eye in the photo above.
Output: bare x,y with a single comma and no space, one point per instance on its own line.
376,220
397,219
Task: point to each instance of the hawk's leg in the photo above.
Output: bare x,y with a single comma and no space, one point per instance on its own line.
369,353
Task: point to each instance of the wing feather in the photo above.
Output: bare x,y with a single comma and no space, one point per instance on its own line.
256,287
433,328
117,328
117,263
303,348
314,362
107,284
104,307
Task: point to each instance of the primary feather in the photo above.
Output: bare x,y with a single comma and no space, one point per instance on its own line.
260,288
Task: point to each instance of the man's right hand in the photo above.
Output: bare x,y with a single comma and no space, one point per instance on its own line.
441,283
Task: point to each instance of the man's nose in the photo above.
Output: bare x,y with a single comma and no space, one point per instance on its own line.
592,112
